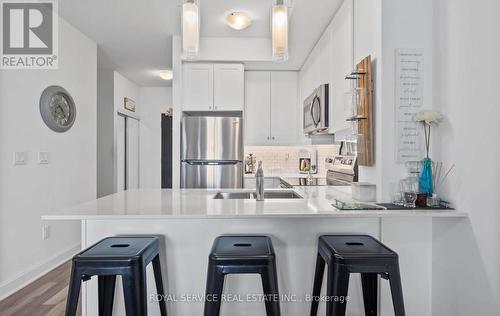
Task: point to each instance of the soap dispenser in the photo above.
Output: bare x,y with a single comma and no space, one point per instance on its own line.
259,183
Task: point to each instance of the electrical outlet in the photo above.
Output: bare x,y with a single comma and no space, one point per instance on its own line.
20,158
43,157
45,232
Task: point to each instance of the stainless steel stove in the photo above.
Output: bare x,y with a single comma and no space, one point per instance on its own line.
342,170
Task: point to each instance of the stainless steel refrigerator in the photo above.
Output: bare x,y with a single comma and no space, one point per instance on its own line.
211,152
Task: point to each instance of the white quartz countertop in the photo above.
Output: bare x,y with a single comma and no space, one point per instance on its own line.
199,203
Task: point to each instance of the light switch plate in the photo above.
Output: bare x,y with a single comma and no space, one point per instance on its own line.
45,232
20,158
43,157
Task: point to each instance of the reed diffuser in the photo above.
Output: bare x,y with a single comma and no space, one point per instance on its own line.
427,118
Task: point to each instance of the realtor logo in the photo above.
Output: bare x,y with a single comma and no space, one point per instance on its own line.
29,34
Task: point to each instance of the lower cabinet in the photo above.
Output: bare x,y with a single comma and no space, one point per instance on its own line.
271,108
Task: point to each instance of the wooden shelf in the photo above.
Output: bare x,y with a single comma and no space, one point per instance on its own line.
364,107
356,118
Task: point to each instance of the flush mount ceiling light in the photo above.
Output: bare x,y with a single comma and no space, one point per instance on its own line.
190,28
166,74
279,25
238,20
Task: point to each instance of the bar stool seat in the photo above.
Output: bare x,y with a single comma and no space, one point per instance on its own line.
345,254
112,256
237,255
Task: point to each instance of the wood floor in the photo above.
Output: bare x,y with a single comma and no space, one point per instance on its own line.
44,297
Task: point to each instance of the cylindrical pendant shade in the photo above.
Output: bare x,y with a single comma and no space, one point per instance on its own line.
280,32
190,29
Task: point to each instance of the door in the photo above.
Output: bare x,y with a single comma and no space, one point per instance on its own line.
197,87
229,87
257,107
285,126
166,151
198,141
228,138
120,153
132,159
127,153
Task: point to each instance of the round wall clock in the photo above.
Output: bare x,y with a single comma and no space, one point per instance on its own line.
57,109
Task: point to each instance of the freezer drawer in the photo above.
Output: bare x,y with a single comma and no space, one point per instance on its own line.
196,175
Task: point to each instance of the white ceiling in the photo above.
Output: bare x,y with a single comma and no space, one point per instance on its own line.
134,36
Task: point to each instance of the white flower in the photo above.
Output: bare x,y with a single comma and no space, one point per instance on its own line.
429,117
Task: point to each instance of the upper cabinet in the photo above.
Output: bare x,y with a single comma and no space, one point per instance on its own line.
271,108
213,87
229,87
285,126
198,87
329,62
257,113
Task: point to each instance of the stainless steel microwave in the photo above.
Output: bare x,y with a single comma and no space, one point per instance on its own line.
316,110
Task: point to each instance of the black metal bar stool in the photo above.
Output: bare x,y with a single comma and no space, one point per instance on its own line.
112,256
242,254
363,254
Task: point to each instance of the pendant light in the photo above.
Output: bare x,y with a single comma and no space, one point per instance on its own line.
279,25
190,28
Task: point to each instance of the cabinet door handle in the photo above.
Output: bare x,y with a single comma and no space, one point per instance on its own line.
215,107
273,137
267,137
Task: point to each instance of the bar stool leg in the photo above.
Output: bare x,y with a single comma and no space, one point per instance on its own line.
159,285
215,284
318,280
270,286
73,291
396,291
106,289
337,287
134,290
370,293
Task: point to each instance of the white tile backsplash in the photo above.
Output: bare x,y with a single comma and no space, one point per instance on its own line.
281,160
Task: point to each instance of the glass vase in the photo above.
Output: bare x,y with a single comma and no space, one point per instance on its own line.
425,178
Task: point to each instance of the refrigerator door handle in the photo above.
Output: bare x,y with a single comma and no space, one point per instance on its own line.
211,163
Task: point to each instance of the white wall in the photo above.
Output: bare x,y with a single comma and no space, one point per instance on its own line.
112,88
31,190
368,41
405,24
123,87
106,170
154,101
467,253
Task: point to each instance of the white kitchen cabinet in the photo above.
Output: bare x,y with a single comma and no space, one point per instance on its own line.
229,87
213,87
271,109
285,126
257,113
329,62
198,87
341,64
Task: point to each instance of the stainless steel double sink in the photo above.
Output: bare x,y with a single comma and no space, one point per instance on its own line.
268,194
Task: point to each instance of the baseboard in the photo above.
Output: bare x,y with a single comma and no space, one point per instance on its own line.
16,283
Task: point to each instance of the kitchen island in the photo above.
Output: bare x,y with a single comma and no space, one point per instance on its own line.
188,221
